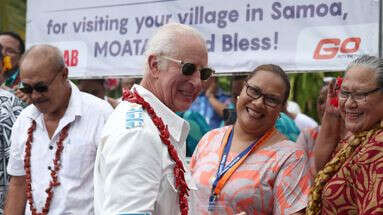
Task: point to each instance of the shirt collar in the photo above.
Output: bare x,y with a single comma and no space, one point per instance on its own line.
73,109
175,123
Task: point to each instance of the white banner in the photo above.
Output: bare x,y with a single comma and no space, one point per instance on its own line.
108,38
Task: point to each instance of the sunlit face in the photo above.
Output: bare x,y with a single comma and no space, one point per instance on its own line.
253,115
34,74
176,90
11,48
361,115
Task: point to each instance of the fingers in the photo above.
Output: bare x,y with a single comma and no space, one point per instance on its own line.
332,89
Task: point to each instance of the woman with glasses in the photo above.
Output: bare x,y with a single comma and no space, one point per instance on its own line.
350,177
250,167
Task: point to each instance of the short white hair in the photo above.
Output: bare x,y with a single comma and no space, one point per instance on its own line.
165,40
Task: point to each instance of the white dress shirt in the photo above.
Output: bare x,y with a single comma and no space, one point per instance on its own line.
133,170
87,115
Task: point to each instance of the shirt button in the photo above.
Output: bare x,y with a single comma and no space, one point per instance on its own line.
49,167
50,147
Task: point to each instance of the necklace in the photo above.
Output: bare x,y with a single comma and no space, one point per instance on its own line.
178,170
27,166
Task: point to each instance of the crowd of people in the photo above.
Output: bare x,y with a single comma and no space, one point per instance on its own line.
175,143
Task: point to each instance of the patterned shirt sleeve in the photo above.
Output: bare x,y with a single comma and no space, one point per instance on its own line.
10,109
292,184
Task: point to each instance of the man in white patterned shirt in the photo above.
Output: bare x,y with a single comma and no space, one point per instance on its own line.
54,140
10,108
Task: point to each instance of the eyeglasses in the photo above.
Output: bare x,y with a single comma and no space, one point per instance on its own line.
9,51
358,97
256,93
189,68
39,87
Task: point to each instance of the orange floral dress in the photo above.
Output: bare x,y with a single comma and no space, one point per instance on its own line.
357,188
272,180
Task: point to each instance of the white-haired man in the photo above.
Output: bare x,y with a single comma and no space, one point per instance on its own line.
140,165
54,140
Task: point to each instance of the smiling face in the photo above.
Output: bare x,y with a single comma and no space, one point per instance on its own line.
361,115
175,90
253,115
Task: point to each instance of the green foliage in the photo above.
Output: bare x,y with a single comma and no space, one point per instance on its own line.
12,16
305,88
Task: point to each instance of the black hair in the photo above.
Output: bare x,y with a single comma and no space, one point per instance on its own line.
17,37
278,71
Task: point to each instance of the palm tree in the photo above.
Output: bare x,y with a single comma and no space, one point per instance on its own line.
13,16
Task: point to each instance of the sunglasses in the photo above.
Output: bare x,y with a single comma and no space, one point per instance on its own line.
39,87
189,68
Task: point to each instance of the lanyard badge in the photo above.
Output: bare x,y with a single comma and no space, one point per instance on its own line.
224,172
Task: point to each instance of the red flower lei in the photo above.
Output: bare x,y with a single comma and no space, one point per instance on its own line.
178,170
27,166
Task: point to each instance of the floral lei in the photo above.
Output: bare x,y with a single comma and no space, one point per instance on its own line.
27,166
178,170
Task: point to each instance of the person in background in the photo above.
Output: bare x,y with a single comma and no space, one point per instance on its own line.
96,87
236,84
287,127
198,128
211,103
250,166
10,108
13,46
301,120
140,165
54,140
349,178
129,82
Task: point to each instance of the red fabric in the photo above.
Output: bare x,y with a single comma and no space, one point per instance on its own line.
357,188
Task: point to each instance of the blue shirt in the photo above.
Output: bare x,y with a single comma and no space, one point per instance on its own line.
203,107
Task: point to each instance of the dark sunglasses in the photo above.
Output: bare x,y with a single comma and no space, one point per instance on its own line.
189,68
39,87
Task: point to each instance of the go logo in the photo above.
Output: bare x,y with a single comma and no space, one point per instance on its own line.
329,48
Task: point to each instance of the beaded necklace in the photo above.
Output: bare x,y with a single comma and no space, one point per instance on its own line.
178,170
27,166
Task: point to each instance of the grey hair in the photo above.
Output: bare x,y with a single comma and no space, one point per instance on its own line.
370,62
165,40
46,54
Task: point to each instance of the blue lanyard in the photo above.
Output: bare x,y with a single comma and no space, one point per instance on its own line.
222,169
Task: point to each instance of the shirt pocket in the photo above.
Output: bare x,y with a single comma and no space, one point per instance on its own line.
78,158
188,178
171,182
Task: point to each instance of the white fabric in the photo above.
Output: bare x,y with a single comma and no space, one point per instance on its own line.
87,115
304,122
293,107
133,171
